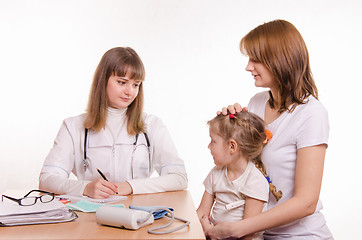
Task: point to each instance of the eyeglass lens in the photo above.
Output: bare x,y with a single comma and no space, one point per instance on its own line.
27,201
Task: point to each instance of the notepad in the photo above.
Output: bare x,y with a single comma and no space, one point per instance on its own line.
110,199
12,214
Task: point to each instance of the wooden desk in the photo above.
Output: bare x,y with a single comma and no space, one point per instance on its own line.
86,227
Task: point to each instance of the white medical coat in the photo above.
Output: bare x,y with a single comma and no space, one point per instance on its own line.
113,158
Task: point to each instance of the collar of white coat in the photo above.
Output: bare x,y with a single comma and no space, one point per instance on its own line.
104,137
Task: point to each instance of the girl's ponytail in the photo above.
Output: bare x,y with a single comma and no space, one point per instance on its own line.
260,165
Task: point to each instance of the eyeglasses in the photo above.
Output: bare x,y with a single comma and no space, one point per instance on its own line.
31,200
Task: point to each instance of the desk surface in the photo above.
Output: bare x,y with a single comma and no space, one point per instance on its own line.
86,227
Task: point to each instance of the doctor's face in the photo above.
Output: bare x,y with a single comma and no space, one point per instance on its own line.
121,91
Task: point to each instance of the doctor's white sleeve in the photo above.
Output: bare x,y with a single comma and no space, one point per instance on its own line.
165,160
54,176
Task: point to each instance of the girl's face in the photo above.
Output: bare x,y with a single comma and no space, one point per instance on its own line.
122,91
262,76
219,149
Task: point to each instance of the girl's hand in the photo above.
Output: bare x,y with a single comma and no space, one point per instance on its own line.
100,188
232,109
205,223
221,230
124,188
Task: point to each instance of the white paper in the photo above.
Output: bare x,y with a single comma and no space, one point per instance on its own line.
13,208
110,199
12,214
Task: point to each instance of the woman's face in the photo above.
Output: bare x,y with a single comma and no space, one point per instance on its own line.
262,76
122,91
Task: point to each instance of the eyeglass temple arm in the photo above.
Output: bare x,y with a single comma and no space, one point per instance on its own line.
38,191
11,198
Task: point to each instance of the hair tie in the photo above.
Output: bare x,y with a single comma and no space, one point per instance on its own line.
269,135
268,179
232,116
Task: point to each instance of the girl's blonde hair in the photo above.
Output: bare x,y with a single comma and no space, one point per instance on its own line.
248,131
117,61
279,46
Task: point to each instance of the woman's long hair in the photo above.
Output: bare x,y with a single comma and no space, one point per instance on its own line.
117,61
279,46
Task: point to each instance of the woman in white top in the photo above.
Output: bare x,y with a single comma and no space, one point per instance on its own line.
114,136
294,158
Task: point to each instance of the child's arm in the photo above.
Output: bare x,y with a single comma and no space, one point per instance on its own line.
203,211
252,207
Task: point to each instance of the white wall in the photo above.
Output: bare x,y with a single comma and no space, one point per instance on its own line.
49,51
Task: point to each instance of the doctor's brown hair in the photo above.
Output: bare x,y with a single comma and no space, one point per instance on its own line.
279,46
248,131
117,61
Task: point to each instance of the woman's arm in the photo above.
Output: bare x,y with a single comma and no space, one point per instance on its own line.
60,162
252,207
308,180
204,209
54,176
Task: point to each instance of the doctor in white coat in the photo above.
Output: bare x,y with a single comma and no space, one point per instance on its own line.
114,136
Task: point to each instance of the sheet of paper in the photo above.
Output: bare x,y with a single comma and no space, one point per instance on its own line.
110,199
13,208
13,214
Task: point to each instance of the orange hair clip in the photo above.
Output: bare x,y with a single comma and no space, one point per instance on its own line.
268,134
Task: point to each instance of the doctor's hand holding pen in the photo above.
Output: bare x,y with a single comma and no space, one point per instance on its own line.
102,188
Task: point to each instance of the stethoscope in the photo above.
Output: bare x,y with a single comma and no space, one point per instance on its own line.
148,145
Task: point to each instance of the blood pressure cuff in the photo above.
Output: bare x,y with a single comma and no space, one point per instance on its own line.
156,214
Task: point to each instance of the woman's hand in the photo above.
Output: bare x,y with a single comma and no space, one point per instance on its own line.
232,109
124,188
100,188
222,230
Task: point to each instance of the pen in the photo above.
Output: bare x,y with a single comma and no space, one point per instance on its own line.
102,175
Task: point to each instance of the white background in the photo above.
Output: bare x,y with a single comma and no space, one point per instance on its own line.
50,49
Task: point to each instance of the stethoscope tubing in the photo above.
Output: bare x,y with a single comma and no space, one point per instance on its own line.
86,163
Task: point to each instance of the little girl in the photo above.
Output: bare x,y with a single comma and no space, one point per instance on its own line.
237,187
